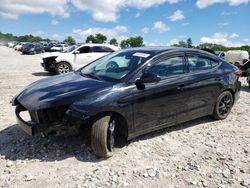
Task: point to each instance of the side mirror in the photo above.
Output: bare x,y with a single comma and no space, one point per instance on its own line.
148,77
76,52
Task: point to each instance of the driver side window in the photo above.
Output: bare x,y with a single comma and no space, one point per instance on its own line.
169,67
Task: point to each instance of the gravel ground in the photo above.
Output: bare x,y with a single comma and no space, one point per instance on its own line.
200,153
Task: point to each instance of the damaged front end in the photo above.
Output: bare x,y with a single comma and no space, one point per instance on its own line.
45,121
49,64
46,103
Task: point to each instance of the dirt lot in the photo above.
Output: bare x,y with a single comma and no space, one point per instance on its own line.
200,153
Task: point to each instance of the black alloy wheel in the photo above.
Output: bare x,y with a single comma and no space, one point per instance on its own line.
223,105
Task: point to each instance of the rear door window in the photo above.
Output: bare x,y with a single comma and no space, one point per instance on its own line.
101,49
169,67
200,63
84,49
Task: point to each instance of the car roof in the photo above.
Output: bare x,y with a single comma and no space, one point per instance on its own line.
161,49
95,44
107,45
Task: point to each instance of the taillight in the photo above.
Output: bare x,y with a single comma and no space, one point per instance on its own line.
238,73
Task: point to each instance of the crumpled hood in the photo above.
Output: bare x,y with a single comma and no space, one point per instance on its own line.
59,90
51,54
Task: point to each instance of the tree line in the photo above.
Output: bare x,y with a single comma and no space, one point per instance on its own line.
136,41
24,38
99,38
215,47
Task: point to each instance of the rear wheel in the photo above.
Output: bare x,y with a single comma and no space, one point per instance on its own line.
223,105
103,136
63,67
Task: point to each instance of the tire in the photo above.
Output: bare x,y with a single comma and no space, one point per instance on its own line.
63,67
102,137
223,105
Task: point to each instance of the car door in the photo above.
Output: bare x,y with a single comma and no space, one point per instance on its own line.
82,57
160,104
202,86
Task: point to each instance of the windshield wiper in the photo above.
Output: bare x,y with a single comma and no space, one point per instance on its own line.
91,76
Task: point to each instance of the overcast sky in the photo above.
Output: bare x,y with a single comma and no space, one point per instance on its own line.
159,22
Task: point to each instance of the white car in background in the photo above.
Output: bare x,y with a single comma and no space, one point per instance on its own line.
59,48
11,44
75,57
19,46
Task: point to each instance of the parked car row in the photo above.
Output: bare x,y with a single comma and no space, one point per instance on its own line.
36,47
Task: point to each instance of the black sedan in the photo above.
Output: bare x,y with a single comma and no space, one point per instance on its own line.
48,47
147,89
32,48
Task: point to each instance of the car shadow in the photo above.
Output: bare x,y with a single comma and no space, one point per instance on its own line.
17,145
43,74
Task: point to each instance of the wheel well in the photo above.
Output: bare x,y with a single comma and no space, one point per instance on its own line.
231,91
122,129
64,62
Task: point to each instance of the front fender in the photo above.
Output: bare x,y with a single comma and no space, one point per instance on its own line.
105,101
67,59
99,102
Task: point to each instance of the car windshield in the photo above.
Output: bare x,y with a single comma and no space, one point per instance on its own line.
70,49
117,65
29,45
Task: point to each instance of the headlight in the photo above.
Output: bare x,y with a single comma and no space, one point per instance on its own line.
32,49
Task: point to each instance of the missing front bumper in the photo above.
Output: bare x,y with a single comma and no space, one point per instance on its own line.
32,128
70,120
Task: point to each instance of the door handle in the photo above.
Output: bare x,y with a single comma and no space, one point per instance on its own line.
181,87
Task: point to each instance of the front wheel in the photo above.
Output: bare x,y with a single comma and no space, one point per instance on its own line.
63,67
102,136
223,105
